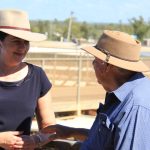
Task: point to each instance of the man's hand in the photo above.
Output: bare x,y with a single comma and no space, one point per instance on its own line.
62,132
57,132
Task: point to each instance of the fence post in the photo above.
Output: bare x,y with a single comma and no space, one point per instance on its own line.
78,85
43,63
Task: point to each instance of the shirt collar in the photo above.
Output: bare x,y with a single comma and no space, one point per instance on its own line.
128,86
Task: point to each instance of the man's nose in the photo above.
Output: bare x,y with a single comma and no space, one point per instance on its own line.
93,62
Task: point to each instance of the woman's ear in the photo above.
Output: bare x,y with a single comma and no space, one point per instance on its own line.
0,44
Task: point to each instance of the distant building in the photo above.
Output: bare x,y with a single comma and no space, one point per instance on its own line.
146,42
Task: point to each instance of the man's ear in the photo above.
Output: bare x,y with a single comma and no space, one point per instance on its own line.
104,68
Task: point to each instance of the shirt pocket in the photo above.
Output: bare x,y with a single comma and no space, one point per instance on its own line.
106,129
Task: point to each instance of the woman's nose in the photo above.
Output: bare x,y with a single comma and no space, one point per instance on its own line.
24,45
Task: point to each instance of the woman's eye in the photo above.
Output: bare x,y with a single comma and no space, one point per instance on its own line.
21,42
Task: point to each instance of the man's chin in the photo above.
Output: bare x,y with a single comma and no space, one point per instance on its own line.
99,82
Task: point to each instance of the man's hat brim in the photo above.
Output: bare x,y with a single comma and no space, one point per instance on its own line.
137,66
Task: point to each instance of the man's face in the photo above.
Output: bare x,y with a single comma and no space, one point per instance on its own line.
13,49
100,69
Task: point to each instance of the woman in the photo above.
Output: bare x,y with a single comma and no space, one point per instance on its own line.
24,88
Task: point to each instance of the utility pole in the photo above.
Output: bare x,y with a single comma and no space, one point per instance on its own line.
69,28
50,30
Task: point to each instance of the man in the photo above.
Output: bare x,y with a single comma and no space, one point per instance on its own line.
122,122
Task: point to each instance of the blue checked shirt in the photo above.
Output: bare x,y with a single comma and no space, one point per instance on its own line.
123,122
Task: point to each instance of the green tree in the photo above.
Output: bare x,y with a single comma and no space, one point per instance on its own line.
84,30
140,27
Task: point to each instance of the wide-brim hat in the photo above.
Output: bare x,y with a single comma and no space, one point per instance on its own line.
119,49
16,23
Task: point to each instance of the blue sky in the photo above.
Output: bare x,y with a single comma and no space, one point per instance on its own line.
100,11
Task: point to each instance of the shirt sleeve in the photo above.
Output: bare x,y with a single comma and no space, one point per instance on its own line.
45,83
134,132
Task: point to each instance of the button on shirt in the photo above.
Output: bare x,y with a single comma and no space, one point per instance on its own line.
123,122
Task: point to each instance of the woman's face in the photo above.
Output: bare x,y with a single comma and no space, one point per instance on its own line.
13,49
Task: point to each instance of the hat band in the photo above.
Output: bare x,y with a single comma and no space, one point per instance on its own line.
16,28
108,54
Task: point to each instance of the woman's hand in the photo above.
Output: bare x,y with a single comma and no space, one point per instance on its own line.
27,143
31,142
9,139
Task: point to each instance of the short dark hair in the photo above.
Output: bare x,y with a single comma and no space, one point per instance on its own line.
3,35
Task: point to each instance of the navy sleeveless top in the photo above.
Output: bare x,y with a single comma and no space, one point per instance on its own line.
18,100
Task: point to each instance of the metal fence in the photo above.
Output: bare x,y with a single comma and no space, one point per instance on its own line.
74,84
